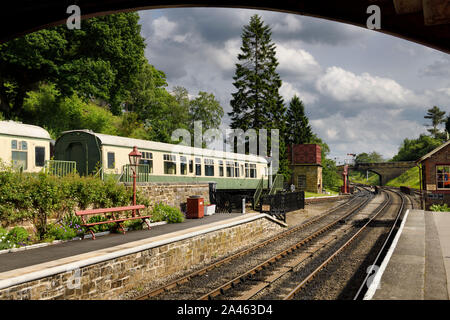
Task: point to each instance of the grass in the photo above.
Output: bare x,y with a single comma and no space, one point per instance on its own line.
360,177
408,178
312,194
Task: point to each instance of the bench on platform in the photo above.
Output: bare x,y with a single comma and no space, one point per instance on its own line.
109,212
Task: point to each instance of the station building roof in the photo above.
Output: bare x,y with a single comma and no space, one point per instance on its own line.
173,148
429,154
13,128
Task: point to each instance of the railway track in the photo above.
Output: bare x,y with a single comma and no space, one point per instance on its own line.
343,271
319,225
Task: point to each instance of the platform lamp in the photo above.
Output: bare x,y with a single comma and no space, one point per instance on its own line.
134,157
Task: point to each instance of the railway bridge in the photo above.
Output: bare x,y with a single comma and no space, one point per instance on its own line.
385,170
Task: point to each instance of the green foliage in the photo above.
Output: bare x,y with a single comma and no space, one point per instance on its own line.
16,237
100,227
409,178
35,197
134,224
60,231
413,149
361,177
298,130
440,207
98,61
167,213
369,157
207,109
47,108
437,117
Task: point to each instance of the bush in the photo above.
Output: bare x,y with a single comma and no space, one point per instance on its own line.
440,207
167,213
16,237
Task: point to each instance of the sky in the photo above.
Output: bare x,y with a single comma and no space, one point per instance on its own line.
363,90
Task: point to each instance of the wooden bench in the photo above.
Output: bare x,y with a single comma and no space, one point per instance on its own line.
112,217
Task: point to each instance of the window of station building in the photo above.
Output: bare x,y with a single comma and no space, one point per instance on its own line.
170,164
236,169
39,156
220,168
111,160
183,165
443,176
209,167
198,166
147,159
230,169
301,182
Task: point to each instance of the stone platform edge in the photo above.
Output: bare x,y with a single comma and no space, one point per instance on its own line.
379,273
48,269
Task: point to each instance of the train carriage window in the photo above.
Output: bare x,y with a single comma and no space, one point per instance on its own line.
170,164
183,165
39,156
191,166
24,145
111,160
147,159
14,144
209,167
198,166
230,169
252,170
220,168
20,159
247,170
236,169
443,177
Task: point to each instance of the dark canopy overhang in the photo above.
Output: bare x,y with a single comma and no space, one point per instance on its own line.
423,21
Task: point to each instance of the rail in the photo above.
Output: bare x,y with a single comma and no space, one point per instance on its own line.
258,192
60,167
179,281
142,174
277,184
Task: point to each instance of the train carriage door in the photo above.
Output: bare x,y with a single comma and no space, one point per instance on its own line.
76,151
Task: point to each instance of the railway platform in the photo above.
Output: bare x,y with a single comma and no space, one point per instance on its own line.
417,265
24,268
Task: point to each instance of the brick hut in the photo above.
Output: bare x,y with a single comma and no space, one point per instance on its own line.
305,160
434,174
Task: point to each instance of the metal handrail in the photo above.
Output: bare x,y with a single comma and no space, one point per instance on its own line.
60,167
142,174
258,192
277,184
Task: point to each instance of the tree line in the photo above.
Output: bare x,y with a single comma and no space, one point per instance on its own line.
98,78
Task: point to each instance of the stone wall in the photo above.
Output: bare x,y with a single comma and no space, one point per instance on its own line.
312,174
173,194
111,278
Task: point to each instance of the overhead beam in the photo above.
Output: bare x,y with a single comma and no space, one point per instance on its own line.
20,17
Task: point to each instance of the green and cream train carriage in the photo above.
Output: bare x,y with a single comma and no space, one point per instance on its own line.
163,162
25,147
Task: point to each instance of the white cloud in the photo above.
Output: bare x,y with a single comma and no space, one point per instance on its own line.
288,91
345,86
297,62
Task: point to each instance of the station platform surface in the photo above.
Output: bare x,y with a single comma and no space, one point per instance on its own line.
417,265
23,263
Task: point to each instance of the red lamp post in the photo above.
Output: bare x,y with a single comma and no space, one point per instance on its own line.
134,157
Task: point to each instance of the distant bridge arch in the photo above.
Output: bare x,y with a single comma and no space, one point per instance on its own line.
385,170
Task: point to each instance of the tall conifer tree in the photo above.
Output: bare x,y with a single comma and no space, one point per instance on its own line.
298,130
257,103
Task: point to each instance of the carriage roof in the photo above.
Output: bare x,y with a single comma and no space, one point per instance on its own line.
13,128
110,140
